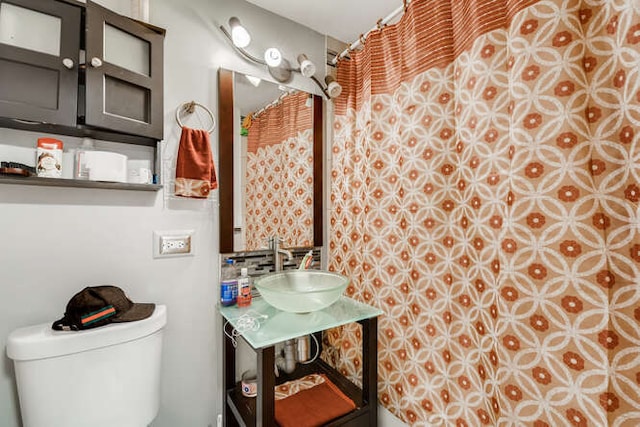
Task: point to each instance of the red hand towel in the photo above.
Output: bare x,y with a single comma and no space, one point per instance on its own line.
195,170
313,407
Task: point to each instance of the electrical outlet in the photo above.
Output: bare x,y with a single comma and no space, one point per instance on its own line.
175,244
172,243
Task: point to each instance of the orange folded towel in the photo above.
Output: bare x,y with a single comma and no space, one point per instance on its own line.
314,406
195,170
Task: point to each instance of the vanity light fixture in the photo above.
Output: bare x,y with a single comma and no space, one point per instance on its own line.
279,68
273,57
239,35
333,87
282,71
307,68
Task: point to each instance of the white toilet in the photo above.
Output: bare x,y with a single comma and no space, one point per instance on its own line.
103,377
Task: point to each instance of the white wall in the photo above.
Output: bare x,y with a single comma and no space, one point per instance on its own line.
55,241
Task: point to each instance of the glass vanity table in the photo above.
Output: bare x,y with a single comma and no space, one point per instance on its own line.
279,326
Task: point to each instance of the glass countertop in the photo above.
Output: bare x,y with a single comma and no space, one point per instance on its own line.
277,325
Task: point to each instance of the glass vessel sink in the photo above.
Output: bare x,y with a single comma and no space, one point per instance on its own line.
301,291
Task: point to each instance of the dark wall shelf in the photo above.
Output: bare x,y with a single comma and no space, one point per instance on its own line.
62,182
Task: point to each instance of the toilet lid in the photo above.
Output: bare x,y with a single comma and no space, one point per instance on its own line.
40,341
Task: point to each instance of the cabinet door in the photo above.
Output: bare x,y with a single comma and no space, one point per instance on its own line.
39,50
124,74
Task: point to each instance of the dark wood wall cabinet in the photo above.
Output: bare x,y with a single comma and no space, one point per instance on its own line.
81,70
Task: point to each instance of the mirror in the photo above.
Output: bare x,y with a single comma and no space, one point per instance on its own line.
270,166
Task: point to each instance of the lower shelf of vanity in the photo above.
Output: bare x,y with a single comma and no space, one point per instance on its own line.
244,408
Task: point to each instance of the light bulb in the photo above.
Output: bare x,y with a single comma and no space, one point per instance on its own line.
307,68
272,57
239,34
333,87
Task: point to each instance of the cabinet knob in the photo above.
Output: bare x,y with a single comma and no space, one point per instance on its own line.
96,62
68,63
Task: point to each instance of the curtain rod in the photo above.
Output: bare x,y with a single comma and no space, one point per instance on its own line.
381,23
274,102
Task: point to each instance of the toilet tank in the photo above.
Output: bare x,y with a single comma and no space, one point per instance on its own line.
103,377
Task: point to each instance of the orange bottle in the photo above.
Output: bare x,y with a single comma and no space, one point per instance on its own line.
244,288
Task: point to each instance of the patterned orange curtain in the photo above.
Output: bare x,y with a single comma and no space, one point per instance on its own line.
279,174
484,195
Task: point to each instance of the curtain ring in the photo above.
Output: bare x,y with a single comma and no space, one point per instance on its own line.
379,24
406,4
362,39
341,57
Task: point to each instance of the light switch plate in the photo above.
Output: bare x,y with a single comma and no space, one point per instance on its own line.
172,243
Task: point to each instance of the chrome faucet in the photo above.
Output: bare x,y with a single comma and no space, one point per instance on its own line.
274,245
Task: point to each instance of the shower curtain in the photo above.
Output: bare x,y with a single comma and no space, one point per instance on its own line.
484,194
279,174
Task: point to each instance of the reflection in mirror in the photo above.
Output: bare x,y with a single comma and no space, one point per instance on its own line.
270,165
278,179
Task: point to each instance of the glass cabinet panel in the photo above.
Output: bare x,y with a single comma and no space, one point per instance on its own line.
126,51
28,29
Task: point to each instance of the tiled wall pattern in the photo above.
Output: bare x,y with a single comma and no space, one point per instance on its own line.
262,262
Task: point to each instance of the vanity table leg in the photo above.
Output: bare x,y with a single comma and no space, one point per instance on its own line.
228,376
265,411
370,367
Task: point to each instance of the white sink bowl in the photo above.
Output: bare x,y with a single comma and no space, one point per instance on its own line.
301,291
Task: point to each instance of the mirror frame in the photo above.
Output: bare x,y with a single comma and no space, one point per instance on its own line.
226,127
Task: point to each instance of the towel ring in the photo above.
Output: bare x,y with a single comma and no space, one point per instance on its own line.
189,108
